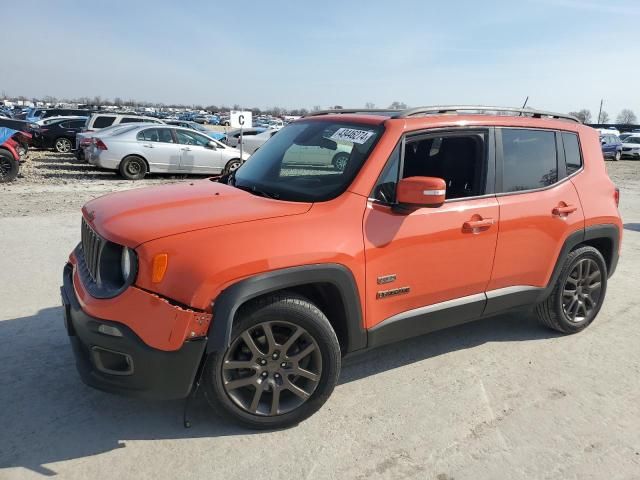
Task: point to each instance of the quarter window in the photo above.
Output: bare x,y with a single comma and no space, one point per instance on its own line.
529,159
102,122
572,152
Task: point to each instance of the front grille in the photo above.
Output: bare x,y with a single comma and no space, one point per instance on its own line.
92,244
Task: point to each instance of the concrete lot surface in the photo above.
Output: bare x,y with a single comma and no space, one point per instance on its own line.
501,398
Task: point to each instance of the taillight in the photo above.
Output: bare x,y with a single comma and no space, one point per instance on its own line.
616,196
100,145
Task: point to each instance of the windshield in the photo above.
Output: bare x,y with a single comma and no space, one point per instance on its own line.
308,161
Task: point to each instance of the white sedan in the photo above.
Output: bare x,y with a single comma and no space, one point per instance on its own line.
148,148
631,147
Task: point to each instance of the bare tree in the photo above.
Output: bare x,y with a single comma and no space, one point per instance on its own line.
583,115
117,102
627,117
604,117
316,108
369,105
398,106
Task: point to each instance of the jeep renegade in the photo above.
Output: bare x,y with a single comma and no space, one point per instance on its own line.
257,288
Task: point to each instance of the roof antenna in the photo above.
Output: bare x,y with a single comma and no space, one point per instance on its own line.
524,104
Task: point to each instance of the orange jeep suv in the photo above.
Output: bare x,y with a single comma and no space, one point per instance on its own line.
256,288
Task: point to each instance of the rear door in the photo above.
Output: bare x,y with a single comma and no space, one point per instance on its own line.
159,148
196,155
539,209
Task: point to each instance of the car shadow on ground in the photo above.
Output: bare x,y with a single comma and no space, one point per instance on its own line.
634,227
49,415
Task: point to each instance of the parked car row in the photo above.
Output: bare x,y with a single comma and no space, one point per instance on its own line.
615,147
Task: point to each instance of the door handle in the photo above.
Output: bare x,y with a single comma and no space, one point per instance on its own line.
565,210
148,145
475,226
186,149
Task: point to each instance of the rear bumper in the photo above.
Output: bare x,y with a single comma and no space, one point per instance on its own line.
125,364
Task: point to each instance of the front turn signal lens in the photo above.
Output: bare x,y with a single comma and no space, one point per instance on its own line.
160,262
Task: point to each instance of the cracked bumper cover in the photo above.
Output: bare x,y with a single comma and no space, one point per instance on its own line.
125,364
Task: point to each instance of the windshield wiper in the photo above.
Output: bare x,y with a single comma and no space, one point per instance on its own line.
252,189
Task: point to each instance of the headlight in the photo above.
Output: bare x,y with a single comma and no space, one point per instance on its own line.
127,263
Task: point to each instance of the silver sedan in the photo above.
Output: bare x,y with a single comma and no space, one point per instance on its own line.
162,149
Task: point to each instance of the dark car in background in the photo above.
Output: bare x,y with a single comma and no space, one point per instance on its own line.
60,135
41,114
611,146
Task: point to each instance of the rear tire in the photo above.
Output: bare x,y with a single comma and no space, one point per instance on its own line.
62,145
578,293
288,371
133,168
9,167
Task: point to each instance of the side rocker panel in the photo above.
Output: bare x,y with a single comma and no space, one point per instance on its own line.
230,299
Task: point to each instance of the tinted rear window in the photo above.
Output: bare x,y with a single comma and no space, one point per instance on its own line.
572,152
132,120
530,159
102,122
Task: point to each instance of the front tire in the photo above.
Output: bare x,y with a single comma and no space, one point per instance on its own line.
340,161
133,168
578,294
8,167
617,156
62,145
231,166
282,364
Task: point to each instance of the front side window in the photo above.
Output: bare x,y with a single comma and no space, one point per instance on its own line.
529,159
156,135
572,155
192,138
459,159
307,161
104,121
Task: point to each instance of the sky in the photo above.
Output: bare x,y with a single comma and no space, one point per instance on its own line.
564,54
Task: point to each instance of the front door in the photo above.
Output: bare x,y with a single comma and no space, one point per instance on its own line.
428,264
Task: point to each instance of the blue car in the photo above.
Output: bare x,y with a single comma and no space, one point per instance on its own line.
611,146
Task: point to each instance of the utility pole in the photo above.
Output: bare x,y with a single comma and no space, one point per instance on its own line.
600,111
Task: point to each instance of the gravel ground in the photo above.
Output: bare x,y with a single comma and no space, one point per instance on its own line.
501,398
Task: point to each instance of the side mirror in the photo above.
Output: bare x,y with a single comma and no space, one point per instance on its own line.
211,145
602,142
421,191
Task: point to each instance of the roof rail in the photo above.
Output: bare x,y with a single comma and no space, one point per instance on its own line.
482,109
449,109
353,110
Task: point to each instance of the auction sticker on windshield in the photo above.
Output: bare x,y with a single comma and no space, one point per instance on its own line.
351,135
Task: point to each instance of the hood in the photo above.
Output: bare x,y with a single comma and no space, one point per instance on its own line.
137,216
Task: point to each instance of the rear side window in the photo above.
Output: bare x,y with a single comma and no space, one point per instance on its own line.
529,159
572,152
156,135
102,122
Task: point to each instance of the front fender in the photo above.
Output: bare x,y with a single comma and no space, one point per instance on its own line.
226,305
